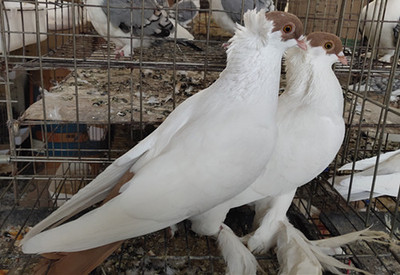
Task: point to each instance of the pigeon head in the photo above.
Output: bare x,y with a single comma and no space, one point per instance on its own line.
328,44
289,26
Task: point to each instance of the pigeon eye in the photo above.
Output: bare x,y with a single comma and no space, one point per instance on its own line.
287,28
328,45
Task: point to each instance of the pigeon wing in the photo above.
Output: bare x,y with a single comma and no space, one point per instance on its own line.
133,15
234,7
94,192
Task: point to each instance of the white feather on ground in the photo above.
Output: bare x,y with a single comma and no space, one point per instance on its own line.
387,178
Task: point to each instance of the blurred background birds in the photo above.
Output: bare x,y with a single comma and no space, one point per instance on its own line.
380,26
126,24
227,13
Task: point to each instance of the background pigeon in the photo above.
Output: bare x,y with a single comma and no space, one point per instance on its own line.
126,24
373,14
195,162
378,83
310,132
187,11
227,13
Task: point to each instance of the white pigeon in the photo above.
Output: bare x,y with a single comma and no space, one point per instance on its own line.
227,13
310,133
373,15
387,179
126,24
208,150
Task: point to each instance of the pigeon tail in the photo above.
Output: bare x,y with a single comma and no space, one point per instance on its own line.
94,229
80,262
297,255
96,191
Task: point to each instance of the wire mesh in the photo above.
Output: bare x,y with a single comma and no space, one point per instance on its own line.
69,106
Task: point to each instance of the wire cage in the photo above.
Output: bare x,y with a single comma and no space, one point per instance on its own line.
69,106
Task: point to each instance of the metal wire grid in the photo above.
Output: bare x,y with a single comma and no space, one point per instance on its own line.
75,47
337,218
35,169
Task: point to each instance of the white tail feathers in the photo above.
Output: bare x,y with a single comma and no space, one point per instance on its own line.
294,253
238,258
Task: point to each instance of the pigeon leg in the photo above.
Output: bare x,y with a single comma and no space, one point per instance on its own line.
238,258
269,214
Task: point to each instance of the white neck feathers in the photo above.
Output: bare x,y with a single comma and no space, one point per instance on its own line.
253,60
311,79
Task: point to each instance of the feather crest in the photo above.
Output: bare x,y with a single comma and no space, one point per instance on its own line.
256,26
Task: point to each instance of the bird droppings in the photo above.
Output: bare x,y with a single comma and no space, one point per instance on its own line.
93,105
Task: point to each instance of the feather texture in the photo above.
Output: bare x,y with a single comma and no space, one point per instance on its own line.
235,254
310,132
359,185
297,255
170,185
125,25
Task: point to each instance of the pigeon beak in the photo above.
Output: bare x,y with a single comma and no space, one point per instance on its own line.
301,43
342,58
